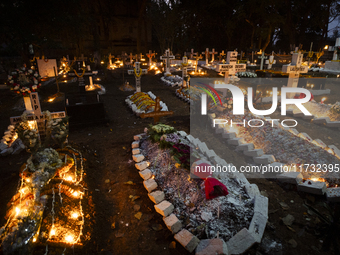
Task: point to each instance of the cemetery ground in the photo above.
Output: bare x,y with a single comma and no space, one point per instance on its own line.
116,191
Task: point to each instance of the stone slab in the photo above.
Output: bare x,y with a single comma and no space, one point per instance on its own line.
173,223
241,242
150,185
212,247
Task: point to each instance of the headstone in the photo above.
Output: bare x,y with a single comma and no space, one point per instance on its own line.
262,58
110,59
270,61
157,113
137,72
45,67
294,69
167,58
231,67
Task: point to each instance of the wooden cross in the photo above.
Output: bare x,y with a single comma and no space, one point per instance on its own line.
140,57
37,114
198,57
110,59
222,54
167,57
206,53
137,72
270,61
294,69
157,113
131,58
262,58
231,67
150,55
213,52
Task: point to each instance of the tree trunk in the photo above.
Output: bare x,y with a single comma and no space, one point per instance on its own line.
141,13
268,38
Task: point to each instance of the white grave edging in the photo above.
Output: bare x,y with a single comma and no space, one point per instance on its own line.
255,230
313,188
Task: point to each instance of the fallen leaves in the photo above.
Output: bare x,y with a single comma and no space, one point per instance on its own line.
138,215
129,183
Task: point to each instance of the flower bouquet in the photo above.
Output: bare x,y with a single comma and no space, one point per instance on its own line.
24,81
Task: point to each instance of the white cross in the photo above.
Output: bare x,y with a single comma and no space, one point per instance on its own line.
270,61
167,57
213,52
262,58
206,53
294,69
37,114
184,71
150,55
137,72
231,67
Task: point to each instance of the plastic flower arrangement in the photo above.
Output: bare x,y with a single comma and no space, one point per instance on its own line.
24,81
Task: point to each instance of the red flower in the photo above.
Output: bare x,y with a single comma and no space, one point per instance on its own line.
214,188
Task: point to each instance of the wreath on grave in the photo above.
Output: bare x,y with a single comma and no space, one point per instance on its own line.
24,81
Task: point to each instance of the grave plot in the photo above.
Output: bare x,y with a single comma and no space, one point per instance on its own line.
172,80
271,141
192,207
326,114
188,94
48,209
141,102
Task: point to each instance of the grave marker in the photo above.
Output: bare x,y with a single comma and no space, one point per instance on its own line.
213,52
222,54
167,58
150,55
131,58
137,72
157,113
37,114
206,53
184,71
262,57
294,69
270,61
45,67
231,67
198,57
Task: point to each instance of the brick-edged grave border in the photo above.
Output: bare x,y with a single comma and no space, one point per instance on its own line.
296,178
240,242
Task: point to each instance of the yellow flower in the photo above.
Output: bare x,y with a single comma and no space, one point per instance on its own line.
177,165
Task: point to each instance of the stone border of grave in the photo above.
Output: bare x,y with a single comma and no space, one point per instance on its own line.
248,149
320,121
138,112
184,98
240,242
171,83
